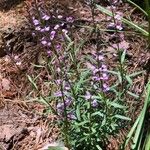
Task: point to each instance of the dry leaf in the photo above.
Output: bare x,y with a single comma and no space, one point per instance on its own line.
121,45
5,84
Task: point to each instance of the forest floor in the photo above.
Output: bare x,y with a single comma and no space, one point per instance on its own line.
22,123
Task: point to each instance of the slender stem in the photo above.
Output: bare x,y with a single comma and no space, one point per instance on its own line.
121,68
90,125
66,122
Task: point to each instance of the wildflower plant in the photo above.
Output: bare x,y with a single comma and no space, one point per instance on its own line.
88,111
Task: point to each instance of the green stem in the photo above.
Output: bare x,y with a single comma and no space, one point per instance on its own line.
121,66
65,122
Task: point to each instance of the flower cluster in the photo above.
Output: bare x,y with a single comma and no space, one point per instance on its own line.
66,102
116,19
99,72
89,97
17,60
99,78
51,29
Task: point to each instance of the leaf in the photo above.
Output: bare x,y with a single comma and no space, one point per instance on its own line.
129,79
119,77
136,74
113,72
42,59
129,136
81,81
54,146
116,105
133,94
98,147
123,56
57,148
122,117
78,112
32,82
69,45
141,121
82,123
138,124
147,145
97,114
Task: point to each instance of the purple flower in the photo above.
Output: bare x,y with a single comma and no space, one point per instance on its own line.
47,28
68,102
104,66
62,24
60,106
36,22
58,94
119,27
52,35
71,116
49,44
69,19
44,42
67,87
94,103
42,30
100,57
95,71
104,75
105,87
58,81
58,69
38,28
46,17
56,27
59,16
33,34
118,16
88,95
49,53
64,31
96,78
58,47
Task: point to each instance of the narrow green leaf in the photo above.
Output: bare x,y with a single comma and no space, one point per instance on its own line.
113,72
116,105
69,45
129,136
32,82
147,144
78,112
136,74
123,56
97,114
122,117
129,79
98,147
133,94
56,148
142,117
